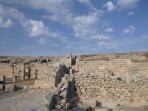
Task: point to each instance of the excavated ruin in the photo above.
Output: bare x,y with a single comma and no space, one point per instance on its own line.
107,82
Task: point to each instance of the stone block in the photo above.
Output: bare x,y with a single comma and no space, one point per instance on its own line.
82,90
25,87
10,87
63,79
121,97
70,71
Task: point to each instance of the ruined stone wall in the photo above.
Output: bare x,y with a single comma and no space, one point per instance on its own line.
9,70
44,65
140,67
50,75
43,69
115,66
66,60
107,87
119,80
5,69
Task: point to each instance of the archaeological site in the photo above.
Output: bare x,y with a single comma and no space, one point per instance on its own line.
100,82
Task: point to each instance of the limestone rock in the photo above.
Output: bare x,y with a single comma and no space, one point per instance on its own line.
10,87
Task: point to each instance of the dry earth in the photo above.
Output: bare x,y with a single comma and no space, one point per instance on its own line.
24,101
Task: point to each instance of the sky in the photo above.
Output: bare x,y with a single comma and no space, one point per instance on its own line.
60,27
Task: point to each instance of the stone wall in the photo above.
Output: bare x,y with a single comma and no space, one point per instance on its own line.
96,90
115,66
10,66
9,70
6,69
104,86
51,76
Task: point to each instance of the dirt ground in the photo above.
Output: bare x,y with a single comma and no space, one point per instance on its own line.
24,101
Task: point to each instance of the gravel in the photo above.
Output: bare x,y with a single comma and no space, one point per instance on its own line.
24,101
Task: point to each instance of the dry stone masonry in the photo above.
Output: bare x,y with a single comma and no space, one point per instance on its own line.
105,86
84,83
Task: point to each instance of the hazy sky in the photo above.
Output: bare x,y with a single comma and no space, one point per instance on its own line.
58,27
